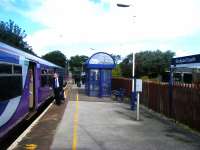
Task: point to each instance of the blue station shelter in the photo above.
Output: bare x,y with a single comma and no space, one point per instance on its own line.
99,74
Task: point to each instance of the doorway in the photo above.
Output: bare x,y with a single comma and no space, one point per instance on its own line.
31,75
94,82
99,82
106,75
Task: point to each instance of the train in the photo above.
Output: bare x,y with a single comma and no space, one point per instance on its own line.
25,85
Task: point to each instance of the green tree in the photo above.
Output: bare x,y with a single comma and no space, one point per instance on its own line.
76,65
126,66
116,72
76,62
56,57
147,63
116,58
12,34
152,63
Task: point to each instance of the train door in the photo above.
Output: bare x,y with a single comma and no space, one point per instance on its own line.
32,86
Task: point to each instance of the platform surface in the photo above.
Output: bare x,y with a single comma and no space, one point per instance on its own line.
90,123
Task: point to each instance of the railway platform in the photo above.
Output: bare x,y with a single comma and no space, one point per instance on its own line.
91,123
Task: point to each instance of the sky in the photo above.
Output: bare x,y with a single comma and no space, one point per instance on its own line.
84,27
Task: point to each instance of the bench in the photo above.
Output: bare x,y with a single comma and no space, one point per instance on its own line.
119,94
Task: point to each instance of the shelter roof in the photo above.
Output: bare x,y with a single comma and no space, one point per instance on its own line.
100,60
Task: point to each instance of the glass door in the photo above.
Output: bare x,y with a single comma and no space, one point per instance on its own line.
94,77
106,82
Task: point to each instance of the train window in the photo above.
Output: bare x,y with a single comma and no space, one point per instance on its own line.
10,81
50,71
43,80
50,79
11,86
46,77
43,71
17,70
5,69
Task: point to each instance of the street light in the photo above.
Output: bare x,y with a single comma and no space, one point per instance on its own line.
133,94
123,5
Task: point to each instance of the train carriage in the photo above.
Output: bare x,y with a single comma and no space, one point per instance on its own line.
25,84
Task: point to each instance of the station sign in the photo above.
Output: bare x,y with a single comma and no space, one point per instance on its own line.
186,60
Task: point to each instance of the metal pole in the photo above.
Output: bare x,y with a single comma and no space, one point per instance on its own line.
133,72
138,106
133,95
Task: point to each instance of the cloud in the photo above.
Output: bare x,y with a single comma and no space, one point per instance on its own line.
71,24
180,53
19,6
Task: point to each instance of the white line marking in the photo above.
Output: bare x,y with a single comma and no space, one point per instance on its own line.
19,139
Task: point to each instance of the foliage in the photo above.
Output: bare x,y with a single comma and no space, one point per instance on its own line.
116,58
144,78
147,63
152,63
116,72
126,66
56,57
76,64
12,34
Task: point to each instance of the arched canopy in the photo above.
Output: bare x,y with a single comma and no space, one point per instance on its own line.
100,60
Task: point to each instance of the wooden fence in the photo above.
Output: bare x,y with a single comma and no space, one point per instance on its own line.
186,104
183,105
124,83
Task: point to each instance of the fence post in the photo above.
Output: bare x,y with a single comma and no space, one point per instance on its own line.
171,92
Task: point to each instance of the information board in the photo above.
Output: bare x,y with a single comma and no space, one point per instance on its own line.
138,85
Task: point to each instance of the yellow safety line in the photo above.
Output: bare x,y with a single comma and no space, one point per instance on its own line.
75,124
31,147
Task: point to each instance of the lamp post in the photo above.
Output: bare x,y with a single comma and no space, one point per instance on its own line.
133,92
123,5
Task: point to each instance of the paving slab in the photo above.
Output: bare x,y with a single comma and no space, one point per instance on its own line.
106,125
93,123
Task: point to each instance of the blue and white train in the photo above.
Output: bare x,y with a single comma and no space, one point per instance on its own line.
25,84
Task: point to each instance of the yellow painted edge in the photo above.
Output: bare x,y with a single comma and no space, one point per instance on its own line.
74,143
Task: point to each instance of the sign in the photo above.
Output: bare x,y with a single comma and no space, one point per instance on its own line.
186,60
138,85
